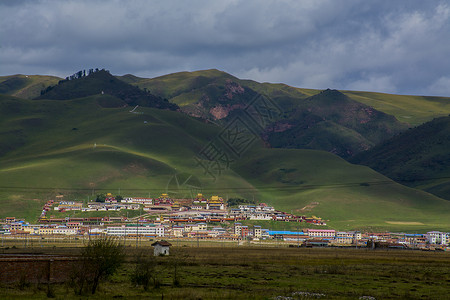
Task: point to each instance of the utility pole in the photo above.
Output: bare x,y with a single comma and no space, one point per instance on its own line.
137,231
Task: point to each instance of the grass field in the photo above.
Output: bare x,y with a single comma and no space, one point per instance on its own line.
265,273
78,149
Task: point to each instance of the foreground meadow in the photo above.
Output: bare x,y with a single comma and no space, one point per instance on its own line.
260,273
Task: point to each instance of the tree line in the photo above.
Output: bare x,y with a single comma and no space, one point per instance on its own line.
74,76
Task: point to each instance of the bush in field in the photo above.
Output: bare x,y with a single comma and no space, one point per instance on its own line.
99,259
145,271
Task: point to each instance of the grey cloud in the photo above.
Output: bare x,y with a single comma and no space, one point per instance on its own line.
387,46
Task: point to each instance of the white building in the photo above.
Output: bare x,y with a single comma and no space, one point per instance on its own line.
438,238
132,229
257,231
321,233
64,230
260,216
145,201
342,237
196,227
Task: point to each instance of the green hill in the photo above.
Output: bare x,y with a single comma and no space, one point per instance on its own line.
333,122
414,110
419,157
299,118
182,88
79,148
26,86
186,87
217,96
102,82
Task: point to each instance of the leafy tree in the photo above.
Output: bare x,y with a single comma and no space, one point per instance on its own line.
99,259
237,201
119,198
100,198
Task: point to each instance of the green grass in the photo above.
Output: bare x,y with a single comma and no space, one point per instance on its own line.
78,148
419,157
28,87
172,85
185,88
265,273
356,196
414,110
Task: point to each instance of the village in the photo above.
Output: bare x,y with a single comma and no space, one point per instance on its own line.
204,219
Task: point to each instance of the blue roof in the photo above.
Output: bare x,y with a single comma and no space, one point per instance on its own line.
271,232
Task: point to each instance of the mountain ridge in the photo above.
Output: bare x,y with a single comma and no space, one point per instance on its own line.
102,82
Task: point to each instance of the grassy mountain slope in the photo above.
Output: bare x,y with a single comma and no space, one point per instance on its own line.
414,110
354,195
174,85
183,88
300,118
418,157
333,122
78,148
102,82
26,86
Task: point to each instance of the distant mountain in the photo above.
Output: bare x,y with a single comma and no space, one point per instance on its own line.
102,82
302,119
333,122
344,123
419,157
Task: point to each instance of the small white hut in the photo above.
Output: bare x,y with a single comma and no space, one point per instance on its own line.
161,248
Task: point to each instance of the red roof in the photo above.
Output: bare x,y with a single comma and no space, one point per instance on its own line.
162,243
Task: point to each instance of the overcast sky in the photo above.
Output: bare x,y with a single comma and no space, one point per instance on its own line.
400,46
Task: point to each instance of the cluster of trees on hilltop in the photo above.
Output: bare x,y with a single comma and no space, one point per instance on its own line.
82,73
77,75
101,81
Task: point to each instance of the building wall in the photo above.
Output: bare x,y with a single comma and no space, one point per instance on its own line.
161,250
35,269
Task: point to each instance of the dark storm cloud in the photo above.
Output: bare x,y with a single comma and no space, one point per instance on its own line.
388,46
